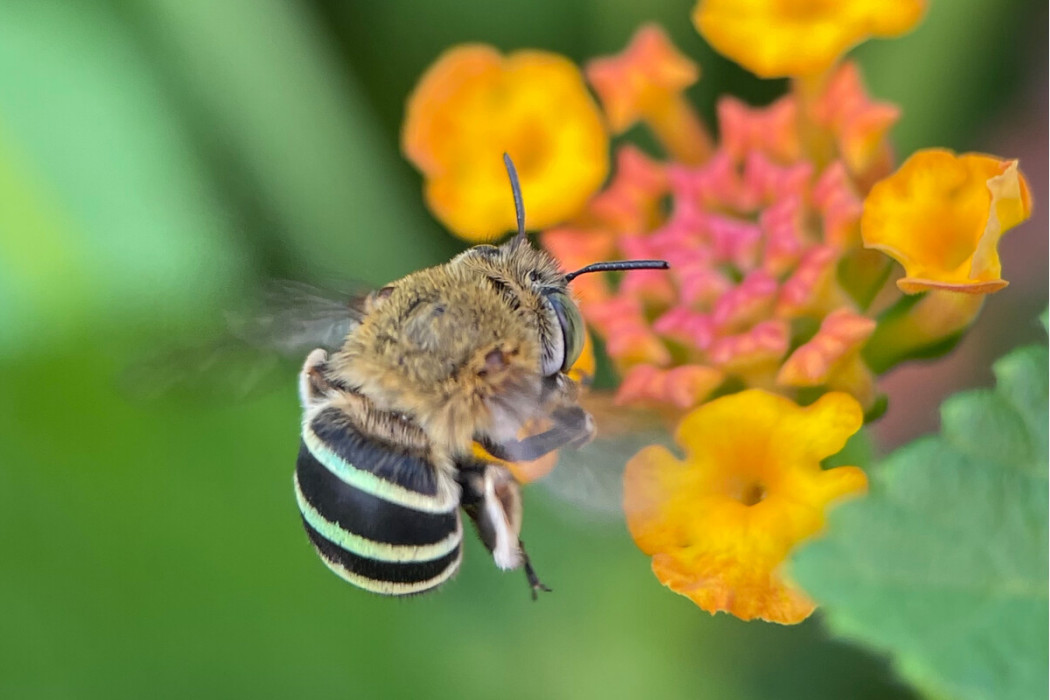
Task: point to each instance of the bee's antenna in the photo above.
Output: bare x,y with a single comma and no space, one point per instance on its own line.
619,265
515,188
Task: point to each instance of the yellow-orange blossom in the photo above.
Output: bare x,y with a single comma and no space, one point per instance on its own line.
778,38
941,217
720,523
472,106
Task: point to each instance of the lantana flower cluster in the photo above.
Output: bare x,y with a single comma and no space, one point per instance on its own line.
755,234
783,302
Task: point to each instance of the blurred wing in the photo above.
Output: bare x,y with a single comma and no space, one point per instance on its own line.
259,349
591,477
219,371
293,318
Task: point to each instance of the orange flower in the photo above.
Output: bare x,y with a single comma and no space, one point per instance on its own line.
858,123
778,38
754,236
720,523
473,105
645,82
941,217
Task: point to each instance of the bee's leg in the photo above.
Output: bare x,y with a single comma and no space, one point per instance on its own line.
530,574
492,499
573,427
312,384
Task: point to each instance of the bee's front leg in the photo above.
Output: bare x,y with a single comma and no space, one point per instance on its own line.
573,427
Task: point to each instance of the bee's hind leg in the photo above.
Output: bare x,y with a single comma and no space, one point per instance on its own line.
530,574
492,499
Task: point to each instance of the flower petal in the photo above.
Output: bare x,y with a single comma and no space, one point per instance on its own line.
835,197
682,387
777,38
640,80
645,83
630,203
841,335
772,129
858,123
941,217
820,429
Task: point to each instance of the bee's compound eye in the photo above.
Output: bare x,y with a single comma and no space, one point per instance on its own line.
572,329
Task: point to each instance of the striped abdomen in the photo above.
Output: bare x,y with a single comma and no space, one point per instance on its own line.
382,518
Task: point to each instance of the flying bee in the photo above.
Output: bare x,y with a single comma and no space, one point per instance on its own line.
465,353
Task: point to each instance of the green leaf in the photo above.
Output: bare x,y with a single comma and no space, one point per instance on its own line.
944,564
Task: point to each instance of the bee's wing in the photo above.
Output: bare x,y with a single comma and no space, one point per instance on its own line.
292,318
591,477
255,351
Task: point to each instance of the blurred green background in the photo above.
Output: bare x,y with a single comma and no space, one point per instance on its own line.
158,159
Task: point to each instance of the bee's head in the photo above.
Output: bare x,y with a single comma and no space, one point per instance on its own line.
536,287
531,283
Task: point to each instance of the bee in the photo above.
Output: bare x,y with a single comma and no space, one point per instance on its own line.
465,353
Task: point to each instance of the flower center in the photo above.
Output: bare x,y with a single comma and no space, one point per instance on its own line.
530,148
753,494
749,491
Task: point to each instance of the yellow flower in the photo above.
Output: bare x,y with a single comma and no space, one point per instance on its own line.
941,217
473,105
778,38
720,524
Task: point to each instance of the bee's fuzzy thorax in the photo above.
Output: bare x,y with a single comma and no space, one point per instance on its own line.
443,348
